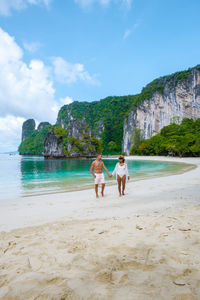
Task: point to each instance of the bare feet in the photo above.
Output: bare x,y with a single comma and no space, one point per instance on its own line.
97,196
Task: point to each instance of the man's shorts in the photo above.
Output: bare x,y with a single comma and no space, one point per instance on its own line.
99,178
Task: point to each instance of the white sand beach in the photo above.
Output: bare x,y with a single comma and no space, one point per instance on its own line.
144,245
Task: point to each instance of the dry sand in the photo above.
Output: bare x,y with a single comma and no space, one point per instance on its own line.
145,245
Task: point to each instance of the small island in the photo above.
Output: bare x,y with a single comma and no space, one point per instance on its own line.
161,120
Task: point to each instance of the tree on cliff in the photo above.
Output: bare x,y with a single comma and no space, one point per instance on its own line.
136,138
106,118
175,139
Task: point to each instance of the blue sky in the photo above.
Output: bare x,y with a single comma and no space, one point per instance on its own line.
57,51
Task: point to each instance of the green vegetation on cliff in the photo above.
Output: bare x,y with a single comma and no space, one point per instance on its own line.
111,111
86,145
28,127
175,139
105,117
34,143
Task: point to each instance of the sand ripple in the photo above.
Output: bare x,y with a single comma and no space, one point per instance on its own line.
144,257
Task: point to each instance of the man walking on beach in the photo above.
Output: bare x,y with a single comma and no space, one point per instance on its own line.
97,165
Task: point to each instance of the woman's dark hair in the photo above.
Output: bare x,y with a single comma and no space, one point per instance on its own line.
122,157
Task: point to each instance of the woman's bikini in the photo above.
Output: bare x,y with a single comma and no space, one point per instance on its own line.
121,170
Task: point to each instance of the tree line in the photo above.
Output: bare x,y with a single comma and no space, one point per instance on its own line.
177,139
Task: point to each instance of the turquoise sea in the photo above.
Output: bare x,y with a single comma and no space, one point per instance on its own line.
33,175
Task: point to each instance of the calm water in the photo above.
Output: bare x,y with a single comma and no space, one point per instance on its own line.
29,175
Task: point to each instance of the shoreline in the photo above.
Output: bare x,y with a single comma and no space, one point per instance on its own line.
71,246
50,189
41,209
188,167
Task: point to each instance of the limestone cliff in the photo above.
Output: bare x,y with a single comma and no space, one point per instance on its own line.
70,119
83,127
73,142
103,119
180,97
53,147
33,139
70,137
27,128
43,125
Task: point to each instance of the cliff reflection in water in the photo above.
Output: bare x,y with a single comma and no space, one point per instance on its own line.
35,165
39,174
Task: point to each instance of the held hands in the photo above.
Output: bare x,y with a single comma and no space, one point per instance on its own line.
110,175
128,177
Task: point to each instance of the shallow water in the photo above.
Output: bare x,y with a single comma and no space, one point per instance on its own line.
31,175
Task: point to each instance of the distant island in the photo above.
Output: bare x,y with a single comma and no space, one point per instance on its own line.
162,120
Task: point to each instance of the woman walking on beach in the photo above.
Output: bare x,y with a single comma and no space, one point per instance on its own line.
121,171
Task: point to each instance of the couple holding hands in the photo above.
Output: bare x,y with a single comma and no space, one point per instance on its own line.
121,171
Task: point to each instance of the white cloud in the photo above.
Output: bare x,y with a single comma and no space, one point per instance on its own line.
10,132
23,87
66,100
89,3
10,52
26,90
62,101
67,72
32,46
6,6
127,33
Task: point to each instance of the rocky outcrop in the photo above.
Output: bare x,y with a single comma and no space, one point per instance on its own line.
179,99
60,143
27,128
79,117
43,125
85,127
100,127
77,128
53,146
74,126
33,139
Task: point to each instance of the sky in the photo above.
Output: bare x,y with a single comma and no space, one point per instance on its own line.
53,52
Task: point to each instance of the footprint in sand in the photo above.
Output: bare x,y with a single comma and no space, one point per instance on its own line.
11,245
92,229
